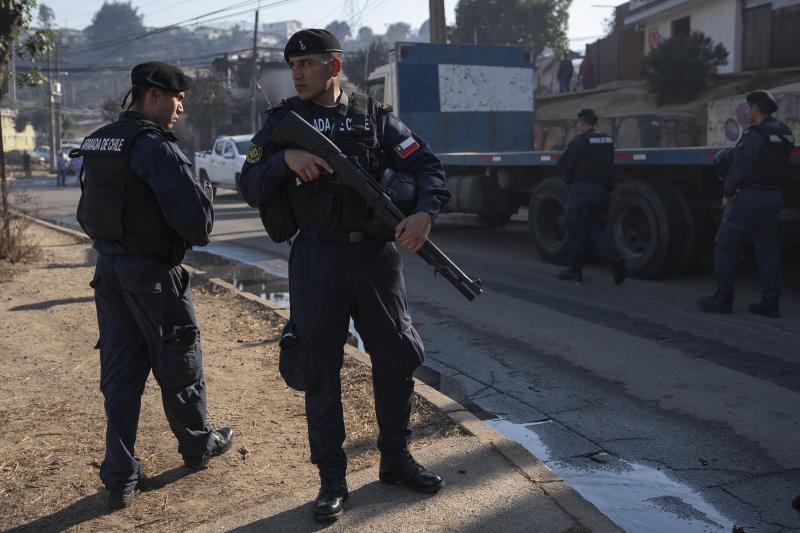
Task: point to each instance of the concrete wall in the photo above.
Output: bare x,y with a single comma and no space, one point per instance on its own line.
726,117
718,19
637,131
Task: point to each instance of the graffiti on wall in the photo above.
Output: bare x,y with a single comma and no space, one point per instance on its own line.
727,120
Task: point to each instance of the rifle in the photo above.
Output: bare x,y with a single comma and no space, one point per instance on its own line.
294,131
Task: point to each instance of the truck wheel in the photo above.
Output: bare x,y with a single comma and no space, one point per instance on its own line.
546,219
649,228
494,220
689,236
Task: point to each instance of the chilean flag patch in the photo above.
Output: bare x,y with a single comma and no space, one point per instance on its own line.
407,147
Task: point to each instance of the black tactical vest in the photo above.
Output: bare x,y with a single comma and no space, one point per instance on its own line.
117,205
322,204
596,163
772,168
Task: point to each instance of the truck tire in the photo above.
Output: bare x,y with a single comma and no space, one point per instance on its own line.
649,228
546,219
689,238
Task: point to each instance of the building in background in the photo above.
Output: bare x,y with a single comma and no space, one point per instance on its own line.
758,34
14,140
282,30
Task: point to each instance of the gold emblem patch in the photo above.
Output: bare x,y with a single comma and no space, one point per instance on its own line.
254,154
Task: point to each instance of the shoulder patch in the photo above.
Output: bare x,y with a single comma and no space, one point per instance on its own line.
407,147
254,153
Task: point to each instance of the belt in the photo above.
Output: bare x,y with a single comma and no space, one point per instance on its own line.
333,235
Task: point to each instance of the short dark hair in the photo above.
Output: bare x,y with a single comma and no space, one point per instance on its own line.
588,116
138,95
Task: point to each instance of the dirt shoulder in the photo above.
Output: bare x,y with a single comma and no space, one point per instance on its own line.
51,408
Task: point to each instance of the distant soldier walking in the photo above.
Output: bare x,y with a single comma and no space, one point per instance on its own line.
752,199
587,164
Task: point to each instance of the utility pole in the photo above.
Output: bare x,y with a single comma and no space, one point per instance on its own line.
12,80
437,21
254,78
57,96
51,95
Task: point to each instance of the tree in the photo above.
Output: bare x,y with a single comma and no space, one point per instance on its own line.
340,28
680,67
534,23
362,63
398,31
114,21
16,17
365,34
110,109
38,117
208,107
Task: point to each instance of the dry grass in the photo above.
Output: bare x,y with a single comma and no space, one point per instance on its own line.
51,409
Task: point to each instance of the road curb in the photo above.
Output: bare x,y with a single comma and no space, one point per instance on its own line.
518,457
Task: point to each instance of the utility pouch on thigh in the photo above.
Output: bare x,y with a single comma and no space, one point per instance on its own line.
296,362
180,362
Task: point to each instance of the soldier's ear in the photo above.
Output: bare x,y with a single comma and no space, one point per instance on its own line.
335,66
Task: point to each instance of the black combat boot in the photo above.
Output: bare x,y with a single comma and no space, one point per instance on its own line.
765,307
122,498
222,440
719,302
619,272
404,470
329,505
573,273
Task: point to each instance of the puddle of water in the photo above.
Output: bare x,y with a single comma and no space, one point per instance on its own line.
267,278
636,497
246,277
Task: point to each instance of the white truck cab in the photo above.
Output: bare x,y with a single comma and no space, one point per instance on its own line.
222,164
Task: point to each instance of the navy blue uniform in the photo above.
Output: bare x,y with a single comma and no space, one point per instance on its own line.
144,307
587,165
332,279
753,189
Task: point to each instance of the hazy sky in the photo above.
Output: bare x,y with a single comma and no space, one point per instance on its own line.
586,20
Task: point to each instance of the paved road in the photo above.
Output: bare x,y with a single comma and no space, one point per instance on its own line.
666,418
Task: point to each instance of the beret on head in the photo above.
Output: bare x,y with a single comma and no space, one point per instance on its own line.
161,75
311,41
764,100
587,114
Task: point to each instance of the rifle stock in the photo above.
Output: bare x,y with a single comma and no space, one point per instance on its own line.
295,132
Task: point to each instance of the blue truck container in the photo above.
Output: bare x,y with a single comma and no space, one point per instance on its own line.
475,106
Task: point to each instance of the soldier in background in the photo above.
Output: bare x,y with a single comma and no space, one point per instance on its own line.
588,164
752,200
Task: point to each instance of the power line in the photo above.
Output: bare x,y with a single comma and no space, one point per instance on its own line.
111,42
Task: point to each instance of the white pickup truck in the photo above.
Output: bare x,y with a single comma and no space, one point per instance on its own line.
222,164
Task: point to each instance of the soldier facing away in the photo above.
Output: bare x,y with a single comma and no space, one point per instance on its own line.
143,208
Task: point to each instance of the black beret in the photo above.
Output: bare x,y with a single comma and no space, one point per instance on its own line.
161,75
587,114
764,100
311,41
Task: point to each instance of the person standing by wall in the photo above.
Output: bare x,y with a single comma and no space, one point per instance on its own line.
586,73
565,73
